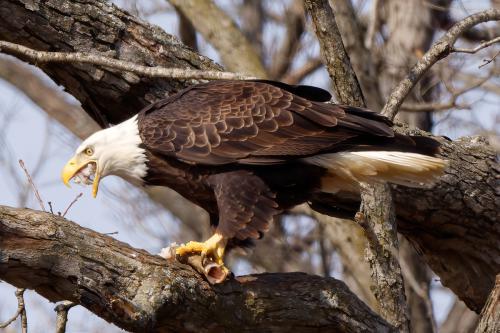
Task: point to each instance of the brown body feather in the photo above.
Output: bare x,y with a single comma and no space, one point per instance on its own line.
237,148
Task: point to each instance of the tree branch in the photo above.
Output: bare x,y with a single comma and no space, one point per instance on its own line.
20,312
49,99
302,72
295,26
477,48
141,292
362,59
378,217
62,310
337,61
439,223
40,57
442,48
96,26
221,31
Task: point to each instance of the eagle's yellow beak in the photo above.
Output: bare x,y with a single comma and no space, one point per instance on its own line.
73,166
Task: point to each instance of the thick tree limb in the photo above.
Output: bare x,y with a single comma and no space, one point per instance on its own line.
438,51
219,29
47,98
377,218
362,59
337,62
453,226
141,292
377,207
97,27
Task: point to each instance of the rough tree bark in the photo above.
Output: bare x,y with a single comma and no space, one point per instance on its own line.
345,82
361,58
95,26
409,25
141,292
453,225
377,205
377,218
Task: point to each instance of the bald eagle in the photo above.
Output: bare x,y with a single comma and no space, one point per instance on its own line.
245,151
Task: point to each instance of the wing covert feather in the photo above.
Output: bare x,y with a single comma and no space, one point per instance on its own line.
224,122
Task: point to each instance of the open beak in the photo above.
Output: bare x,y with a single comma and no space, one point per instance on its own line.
74,167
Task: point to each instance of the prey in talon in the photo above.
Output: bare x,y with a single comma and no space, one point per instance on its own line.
246,151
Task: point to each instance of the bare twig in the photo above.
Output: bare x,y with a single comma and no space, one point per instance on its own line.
487,61
442,48
84,58
62,310
431,107
35,190
51,209
452,103
477,48
21,311
72,203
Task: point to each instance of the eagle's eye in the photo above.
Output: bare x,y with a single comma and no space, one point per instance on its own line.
89,151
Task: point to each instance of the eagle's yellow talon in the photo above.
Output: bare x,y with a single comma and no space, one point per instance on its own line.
212,248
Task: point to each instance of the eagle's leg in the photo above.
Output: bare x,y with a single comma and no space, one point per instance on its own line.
212,248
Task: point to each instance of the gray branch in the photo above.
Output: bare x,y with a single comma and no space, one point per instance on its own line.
337,62
41,57
377,218
377,205
141,292
442,48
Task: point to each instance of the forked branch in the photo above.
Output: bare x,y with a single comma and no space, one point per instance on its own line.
442,48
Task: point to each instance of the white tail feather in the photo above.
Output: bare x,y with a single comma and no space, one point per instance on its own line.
347,169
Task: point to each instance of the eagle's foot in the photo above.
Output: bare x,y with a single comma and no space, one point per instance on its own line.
213,248
211,263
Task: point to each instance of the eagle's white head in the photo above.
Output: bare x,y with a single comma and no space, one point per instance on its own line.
112,151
